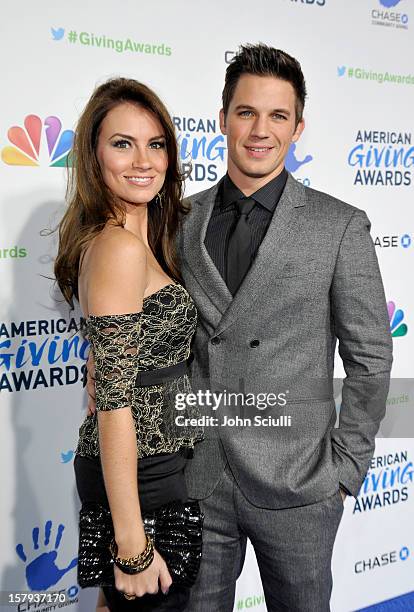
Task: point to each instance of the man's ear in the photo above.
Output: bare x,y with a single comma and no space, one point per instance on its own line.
299,129
222,122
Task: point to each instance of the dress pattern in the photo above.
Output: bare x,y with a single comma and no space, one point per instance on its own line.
157,337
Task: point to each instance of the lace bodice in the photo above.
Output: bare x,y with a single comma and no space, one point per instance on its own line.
157,337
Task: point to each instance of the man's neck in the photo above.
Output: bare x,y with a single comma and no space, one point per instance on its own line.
249,184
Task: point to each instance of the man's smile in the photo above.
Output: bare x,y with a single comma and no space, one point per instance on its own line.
257,151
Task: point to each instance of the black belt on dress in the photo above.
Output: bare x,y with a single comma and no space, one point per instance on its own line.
148,378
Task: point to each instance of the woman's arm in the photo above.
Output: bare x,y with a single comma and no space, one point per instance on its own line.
115,288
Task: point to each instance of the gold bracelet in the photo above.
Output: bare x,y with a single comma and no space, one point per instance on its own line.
133,565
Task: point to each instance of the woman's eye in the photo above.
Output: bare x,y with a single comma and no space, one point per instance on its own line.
121,144
159,144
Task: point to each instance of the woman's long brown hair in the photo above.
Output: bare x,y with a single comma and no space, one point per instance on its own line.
91,203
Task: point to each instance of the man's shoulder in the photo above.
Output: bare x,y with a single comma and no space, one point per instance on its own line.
329,205
202,195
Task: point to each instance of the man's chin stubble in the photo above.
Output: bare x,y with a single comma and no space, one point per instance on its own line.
257,175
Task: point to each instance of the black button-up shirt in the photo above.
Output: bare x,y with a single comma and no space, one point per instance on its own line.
224,216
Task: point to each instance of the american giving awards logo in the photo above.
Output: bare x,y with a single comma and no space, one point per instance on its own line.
382,158
40,354
201,147
388,482
38,143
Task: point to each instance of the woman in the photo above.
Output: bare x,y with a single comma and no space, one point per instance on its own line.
117,257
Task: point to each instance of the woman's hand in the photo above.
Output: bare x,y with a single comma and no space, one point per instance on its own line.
148,581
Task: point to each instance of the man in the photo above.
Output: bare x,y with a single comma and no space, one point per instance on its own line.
279,273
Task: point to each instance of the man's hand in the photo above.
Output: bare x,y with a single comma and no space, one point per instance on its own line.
90,384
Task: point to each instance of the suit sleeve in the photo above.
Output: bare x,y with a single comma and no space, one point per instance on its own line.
365,346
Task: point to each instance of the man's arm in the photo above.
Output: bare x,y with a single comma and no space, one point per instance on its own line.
365,346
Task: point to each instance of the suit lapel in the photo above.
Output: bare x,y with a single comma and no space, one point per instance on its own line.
271,254
196,255
269,259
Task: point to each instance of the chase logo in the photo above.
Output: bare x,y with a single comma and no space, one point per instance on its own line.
389,18
404,553
41,566
381,560
389,241
396,317
26,143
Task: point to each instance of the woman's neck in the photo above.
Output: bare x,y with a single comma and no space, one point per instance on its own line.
136,221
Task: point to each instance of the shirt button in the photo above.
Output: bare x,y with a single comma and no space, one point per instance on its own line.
254,343
215,340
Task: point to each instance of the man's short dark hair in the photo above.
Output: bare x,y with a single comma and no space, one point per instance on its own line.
263,60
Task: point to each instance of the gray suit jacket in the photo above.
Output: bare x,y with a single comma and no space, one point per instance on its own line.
315,281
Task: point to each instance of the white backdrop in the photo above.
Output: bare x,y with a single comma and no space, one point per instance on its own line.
357,145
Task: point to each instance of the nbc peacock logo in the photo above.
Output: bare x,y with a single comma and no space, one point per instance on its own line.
27,143
396,316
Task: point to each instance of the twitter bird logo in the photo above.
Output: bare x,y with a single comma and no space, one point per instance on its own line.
57,33
66,457
341,70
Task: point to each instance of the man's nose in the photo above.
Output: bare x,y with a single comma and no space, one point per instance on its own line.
260,127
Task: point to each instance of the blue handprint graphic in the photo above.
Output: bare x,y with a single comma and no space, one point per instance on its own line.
292,164
42,572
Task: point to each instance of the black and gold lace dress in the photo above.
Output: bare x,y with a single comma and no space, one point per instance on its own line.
140,362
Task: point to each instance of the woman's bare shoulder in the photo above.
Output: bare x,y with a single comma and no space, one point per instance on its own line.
114,241
115,273
114,247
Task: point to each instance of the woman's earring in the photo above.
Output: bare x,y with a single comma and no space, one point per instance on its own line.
160,199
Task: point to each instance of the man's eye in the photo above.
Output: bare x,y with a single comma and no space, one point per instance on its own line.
245,113
279,116
121,144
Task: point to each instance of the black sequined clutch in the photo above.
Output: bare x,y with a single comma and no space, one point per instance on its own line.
176,529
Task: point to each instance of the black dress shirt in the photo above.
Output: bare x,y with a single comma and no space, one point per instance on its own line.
223,217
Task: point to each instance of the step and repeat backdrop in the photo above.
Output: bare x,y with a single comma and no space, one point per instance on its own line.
358,145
